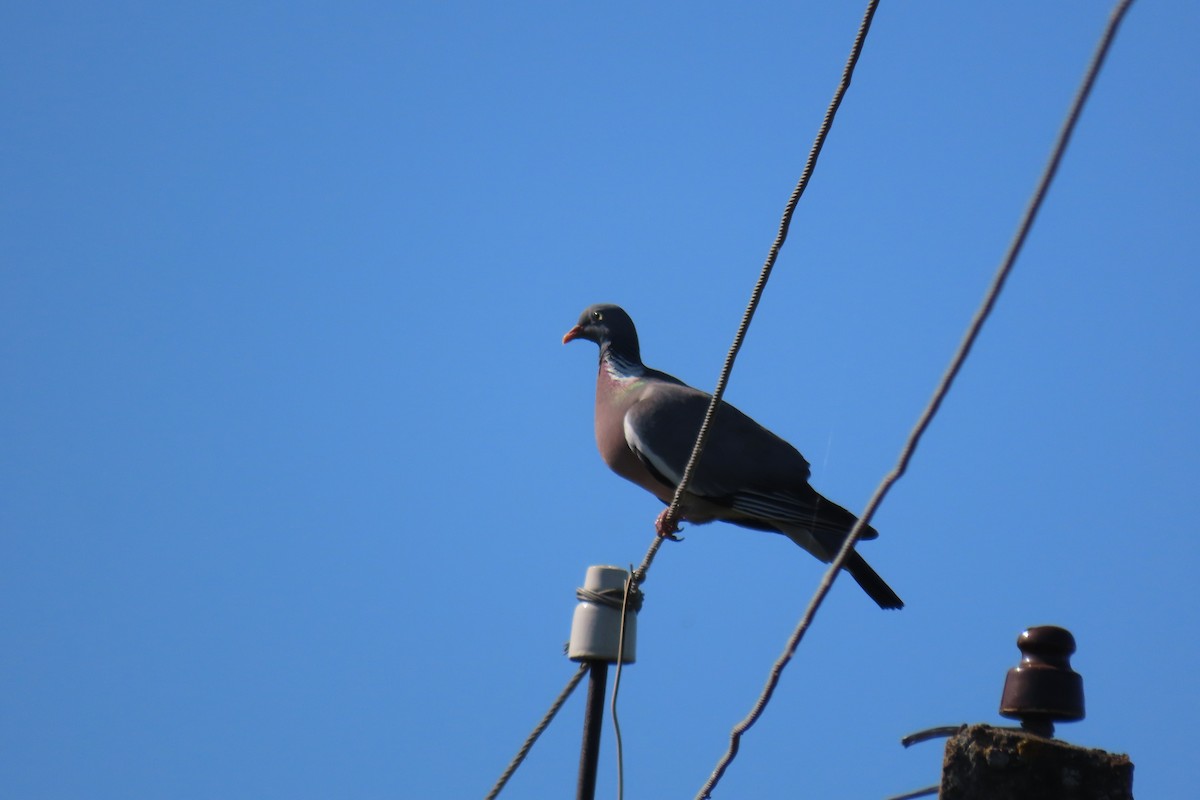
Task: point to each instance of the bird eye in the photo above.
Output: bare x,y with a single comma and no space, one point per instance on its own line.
597,316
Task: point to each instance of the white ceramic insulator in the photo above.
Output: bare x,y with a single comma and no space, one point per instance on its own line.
596,628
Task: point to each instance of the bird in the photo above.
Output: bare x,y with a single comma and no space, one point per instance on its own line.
646,423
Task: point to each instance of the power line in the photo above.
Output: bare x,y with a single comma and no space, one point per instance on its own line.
537,730
670,517
939,394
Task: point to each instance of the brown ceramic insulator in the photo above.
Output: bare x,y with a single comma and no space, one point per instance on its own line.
1043,689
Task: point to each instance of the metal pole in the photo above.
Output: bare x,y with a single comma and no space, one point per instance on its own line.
593,716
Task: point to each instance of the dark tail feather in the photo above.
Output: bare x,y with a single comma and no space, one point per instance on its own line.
871,583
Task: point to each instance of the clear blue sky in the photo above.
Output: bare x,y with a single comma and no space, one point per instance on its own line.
298,480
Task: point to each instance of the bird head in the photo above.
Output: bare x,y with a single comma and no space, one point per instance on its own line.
608,326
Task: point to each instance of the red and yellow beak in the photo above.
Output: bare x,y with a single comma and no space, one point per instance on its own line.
573,334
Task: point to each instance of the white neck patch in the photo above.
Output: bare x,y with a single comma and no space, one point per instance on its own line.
621,368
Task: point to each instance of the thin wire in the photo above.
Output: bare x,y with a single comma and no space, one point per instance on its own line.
938,732
537,731
638,576
928,791
626,605
939,394
671,517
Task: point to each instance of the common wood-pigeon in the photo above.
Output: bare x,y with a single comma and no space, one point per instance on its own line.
646,425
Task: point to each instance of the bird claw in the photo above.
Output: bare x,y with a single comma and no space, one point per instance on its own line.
667,530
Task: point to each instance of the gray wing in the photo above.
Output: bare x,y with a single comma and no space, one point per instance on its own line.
744,467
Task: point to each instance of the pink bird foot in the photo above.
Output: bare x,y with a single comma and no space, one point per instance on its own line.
665,529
